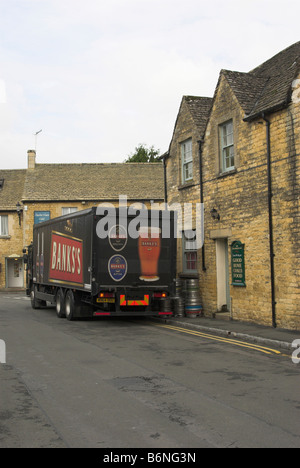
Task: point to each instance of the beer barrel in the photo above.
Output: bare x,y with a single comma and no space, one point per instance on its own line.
178,285
165,306
193,305
178,306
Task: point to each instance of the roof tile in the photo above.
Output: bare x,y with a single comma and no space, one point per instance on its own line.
12,190
94,181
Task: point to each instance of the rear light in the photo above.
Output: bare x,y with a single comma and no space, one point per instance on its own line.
158,295
106,294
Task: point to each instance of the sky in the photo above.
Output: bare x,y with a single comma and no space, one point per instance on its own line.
101,77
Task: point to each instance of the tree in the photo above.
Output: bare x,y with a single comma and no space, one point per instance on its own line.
143,154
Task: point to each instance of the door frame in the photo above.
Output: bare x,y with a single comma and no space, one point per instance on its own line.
222,275
7,261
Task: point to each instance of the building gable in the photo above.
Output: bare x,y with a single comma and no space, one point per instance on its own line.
191,119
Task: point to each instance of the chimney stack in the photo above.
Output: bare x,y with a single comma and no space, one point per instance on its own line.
31,159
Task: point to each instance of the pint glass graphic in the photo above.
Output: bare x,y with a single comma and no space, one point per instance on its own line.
149,251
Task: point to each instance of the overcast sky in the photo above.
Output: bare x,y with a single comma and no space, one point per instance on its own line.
99,77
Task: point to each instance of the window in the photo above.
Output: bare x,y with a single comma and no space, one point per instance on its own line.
189,252
66,211
4,225
186,161
227,146
1,183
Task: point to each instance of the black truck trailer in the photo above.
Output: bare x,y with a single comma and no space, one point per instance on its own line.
107,262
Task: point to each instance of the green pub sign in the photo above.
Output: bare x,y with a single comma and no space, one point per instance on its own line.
238,264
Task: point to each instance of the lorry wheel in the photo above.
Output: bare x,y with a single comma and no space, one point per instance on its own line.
60,304
72,305
35,303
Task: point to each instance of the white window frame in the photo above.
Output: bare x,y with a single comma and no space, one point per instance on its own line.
186,161
189,251
4,226
227,148
68,210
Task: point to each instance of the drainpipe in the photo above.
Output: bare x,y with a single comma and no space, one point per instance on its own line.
201,197
270,195
165,181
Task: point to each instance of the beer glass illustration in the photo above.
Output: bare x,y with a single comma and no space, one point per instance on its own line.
149,245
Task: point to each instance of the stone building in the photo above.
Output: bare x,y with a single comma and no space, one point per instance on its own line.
238,153
45,191
11,233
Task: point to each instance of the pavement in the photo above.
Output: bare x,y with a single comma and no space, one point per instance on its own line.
246,331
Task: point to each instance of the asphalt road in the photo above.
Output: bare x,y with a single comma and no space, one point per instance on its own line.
137,384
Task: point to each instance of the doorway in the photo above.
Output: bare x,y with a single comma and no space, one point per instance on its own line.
15,273
223,290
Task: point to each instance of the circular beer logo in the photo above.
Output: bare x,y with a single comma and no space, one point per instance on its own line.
117,237
117,267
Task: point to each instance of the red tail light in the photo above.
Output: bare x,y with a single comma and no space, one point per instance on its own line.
158,295
106,294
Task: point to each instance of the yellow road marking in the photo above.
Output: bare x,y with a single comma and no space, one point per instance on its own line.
262,349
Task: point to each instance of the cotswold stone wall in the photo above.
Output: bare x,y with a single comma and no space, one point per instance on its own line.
178,192
10,246
241,199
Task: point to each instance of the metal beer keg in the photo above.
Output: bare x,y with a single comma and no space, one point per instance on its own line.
178,306
178,286
193,305
165,306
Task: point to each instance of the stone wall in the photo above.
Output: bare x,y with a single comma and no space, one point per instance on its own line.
241,199
11,246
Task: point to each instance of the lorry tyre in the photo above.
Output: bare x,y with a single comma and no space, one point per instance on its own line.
72,305
35,303
60,304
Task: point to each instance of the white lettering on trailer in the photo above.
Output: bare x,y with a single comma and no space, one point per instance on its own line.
54,256
61,258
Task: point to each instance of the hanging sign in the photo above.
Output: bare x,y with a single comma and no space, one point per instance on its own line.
238,264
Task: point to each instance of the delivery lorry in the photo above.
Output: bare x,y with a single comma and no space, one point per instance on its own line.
104,262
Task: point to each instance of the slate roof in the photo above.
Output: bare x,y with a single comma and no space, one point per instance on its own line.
66,182
268,87
247,88
79,182
265,89
12,191
200,108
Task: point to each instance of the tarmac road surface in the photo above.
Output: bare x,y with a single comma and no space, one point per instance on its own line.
138,384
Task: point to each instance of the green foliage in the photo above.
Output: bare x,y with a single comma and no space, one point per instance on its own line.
144,155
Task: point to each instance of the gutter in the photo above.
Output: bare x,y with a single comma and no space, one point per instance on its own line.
271,240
